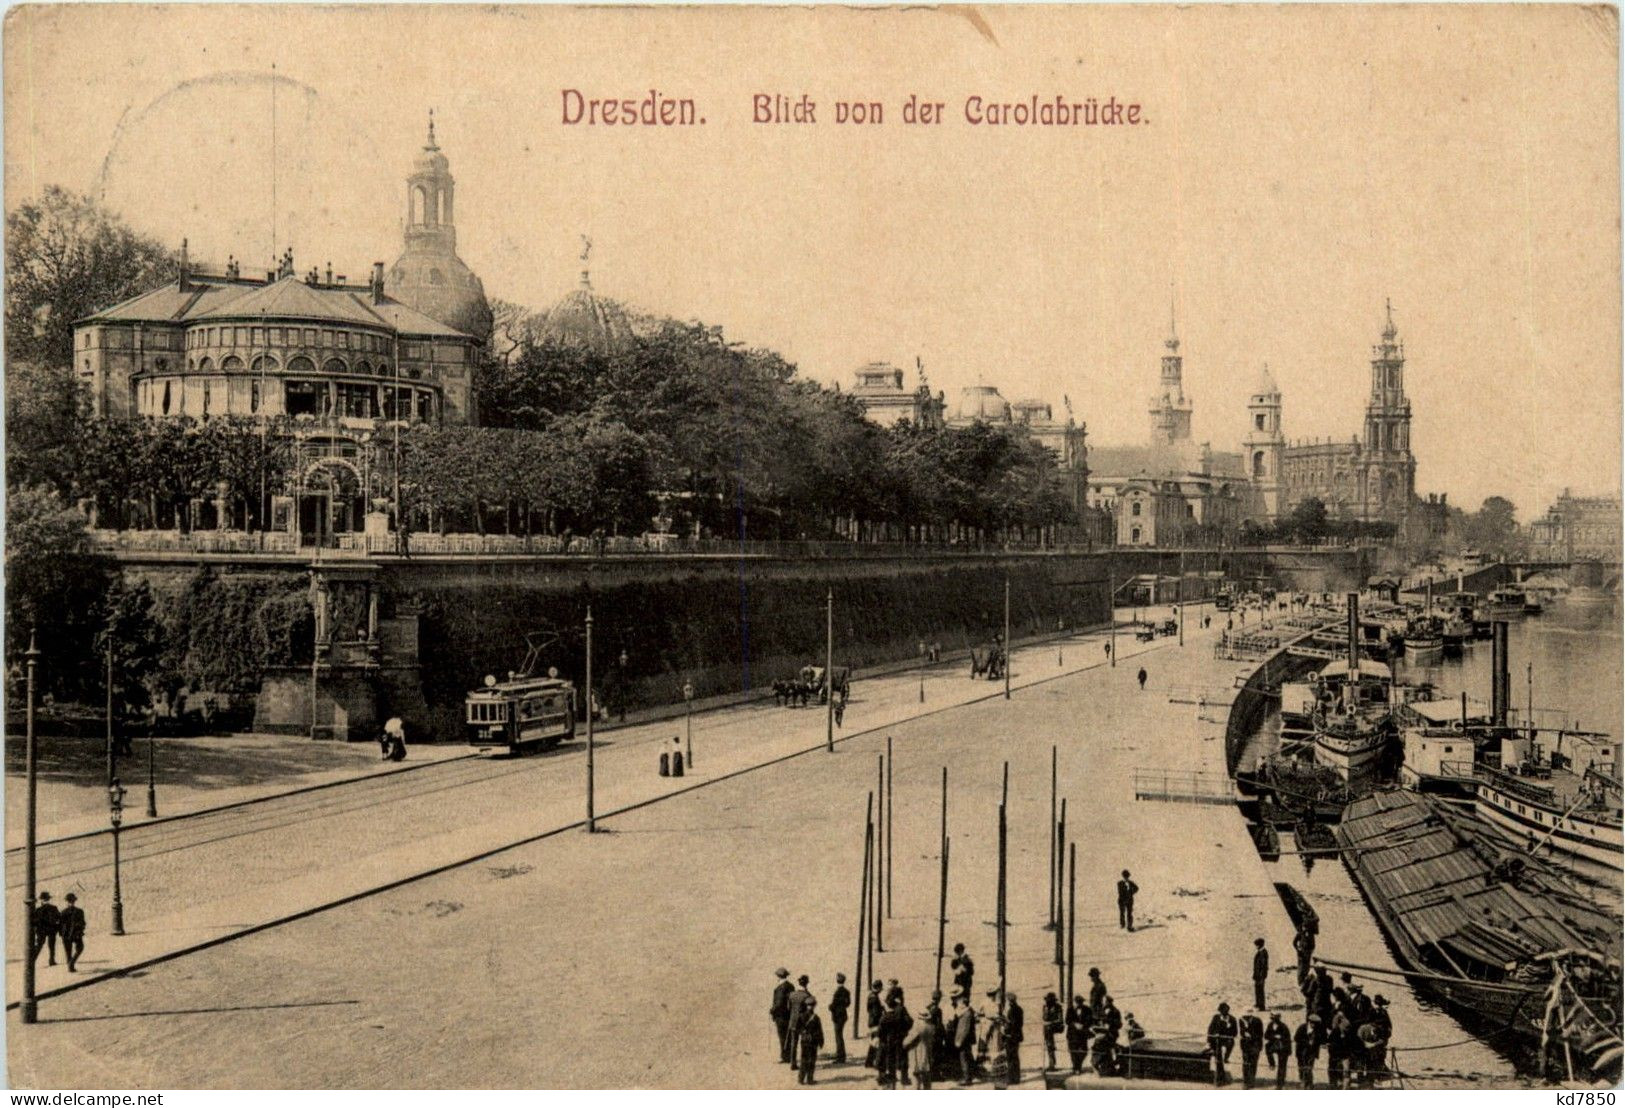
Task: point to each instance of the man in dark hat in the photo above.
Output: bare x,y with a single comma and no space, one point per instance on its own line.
1142,678
1250,1038
798,1013
1015,1031
840,1002
965,1039
1375,1032
1054,1017
809,1039
72,924
1306,1047
780,1011
874,1008
47,922
1079,1025
891,1033
1261,972
1221,1040
893,989
1107,1027
1126,889
1097,993
1277,1047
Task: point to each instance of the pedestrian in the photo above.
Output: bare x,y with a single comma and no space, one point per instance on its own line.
1126,888
780,1011
1132,1031
1250,1037
920,1048
72,925
1277,1047
809,1040
1107,1028
1107,647
1079,1024
1375,1033
894,1028
964,971
893,989
1054,1024
874,1008
1097,993
1306,1046
1221,1040
1261,972
1337,1048
840,709
393,741
1321,992
965,1039
1304,943
798,1013
840,1002
1142,678
47,923
1015,1031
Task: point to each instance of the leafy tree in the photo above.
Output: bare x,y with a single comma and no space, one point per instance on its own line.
55,588
67,258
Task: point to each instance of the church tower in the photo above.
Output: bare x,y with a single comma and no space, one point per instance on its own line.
1390,467
1264,446
430,276
1170,408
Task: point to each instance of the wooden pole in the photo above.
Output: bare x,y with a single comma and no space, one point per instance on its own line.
878,902
859,982
942,912
1111,615
1060,865
1000,915
829,674
592,823
1072,921
1004,794
891,793
1007,636
944,835
1054,770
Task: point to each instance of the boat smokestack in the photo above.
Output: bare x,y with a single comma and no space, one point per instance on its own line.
1354,631
1500,677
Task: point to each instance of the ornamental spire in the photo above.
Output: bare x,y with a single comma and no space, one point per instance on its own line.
1173,326
1390,331
431,143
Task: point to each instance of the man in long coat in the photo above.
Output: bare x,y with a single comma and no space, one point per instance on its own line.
809,1040
780,1011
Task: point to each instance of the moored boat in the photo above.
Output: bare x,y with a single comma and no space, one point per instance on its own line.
1506,602
1498,937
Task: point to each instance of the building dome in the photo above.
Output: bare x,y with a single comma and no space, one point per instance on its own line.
981,403
585,320
429,276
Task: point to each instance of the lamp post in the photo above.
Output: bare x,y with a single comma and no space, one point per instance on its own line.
688,721
592,824
110,756
28,1010
115,815
1007,636
829,671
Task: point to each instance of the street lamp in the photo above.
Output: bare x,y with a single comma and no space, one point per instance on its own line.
152,791
622,683
28,1010
592,823
115,815
688,713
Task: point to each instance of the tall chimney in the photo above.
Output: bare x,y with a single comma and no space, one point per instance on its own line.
185,266
377,282
1500,680
1354,631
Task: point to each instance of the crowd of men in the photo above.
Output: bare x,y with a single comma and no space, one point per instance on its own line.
971,1042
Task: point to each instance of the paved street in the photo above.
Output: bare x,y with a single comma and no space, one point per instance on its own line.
643,956
291,854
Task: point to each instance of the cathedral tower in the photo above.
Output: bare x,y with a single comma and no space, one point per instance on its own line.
1390,467
1264,447
430,276
1170,408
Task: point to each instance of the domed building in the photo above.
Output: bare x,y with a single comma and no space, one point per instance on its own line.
979,404
584,320
429,276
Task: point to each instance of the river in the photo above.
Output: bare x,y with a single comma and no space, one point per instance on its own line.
1578,659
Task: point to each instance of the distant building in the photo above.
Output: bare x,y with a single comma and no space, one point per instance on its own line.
879,388
1583,528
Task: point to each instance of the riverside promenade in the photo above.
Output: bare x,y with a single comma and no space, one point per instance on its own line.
643,955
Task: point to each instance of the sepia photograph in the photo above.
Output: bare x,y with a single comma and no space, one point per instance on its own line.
781,548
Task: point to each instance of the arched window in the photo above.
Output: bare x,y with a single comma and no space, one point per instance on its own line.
265,364
231,364
161,364
420,204
1134,536
205,366
301,364
1258,463
363,367
1258,421
335,365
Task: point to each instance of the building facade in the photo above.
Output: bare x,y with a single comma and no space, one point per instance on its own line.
1578,528
879,389
1264,448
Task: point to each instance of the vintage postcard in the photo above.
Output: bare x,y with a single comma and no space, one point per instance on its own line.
764,547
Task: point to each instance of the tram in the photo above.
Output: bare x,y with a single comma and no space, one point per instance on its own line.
521,713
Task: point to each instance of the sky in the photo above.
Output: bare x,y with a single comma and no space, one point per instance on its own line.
1295,167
